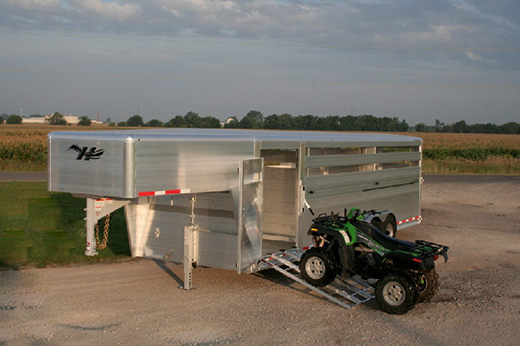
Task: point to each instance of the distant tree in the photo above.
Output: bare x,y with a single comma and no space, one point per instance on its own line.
192,119
461,127
510,128
284,122
154,123
253,120
57,119
307,122
439,125
1,120
135,121
178,121
14,119
84,121
420,127
112,124
122,123
209,122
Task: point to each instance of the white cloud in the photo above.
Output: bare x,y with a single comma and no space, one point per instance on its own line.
106,9
440,33
37,5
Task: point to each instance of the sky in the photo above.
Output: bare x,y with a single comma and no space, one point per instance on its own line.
417,60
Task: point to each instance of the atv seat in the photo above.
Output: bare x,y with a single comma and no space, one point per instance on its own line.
378,236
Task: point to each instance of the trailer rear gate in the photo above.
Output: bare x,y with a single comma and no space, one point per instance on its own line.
236,189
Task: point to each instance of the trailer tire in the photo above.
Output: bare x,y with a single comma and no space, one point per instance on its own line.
389,226
317,268
396,294
428,285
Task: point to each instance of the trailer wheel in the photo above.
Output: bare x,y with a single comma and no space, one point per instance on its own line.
317,268
428,285
396,294
389,226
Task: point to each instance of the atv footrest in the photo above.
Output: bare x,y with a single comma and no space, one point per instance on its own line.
346,293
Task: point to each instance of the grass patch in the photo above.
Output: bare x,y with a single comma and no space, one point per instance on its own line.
40,228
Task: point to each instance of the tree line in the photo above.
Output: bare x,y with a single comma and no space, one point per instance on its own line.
255,120
462,127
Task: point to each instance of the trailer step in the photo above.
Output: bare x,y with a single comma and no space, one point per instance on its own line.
346,293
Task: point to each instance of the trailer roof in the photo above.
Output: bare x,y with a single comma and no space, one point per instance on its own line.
269,138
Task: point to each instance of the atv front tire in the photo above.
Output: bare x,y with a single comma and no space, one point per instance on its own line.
396,294
317,268
428,285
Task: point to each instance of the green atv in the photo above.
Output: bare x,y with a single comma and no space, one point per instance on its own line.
403,272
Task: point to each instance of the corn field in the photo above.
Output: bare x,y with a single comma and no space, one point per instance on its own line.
24,148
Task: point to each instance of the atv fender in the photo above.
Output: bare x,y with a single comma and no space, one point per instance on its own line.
345,246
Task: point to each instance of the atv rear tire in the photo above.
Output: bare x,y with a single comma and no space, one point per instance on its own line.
317,268
389,226
396,294
428,285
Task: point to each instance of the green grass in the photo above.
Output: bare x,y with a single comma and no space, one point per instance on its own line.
41,228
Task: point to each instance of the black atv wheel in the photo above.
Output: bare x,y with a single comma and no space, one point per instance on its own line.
389,226
396,294
317,268
428,285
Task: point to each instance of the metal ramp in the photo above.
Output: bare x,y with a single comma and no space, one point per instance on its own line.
346,293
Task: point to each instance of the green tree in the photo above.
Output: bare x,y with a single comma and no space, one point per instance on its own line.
57,119
178,121
253,120
209,122
84,121
14,119
461,127
510,128
192,119
122,123
154,123
135,121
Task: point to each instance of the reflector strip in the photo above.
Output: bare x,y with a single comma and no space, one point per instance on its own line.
163,192
418,218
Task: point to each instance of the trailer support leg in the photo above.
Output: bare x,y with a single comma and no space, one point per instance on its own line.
189,248
91,221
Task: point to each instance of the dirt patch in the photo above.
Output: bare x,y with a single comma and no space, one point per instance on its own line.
138,302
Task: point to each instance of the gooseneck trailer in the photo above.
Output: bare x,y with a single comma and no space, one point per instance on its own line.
221,198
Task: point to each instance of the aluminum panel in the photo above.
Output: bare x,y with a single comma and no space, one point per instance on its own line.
360,159
156,228
92,165
197,166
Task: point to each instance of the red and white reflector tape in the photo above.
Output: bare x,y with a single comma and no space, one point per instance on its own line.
163,192
416,218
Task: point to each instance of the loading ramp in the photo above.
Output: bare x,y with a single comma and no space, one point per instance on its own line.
347,293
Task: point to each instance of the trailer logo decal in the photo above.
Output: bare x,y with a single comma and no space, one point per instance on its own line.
85,152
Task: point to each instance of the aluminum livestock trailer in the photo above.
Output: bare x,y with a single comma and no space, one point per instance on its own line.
220,198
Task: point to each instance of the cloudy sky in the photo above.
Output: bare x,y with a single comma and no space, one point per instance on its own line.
416,60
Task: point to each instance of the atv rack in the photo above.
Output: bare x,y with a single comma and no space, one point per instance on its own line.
346,293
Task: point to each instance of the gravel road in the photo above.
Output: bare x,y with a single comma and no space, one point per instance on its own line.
137,302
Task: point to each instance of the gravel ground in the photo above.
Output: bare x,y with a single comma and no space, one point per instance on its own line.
138,302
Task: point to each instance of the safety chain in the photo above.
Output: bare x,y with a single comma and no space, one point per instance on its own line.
100,245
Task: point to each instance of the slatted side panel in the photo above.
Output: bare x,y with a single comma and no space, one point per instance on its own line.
370,180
